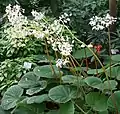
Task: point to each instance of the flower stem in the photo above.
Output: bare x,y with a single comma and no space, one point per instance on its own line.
109,42
49,57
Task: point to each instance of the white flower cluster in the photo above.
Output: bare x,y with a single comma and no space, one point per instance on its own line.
65,48
37,15
36,33
61,45
62,62
14,15
21,27
65,17
99,23
56,27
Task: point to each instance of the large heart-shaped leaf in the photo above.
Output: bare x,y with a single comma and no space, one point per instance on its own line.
94,82
46,71
114,100
75,80
11,96
38,99
42,85
62,93
82,53
97,101
29,80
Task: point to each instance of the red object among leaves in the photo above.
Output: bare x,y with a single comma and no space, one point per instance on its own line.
98,48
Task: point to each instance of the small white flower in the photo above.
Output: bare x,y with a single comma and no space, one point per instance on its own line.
82,46
66,61
27,65
65,17
41,35
114,51
90,45
54,46
65,21
61,62
37,15
46,31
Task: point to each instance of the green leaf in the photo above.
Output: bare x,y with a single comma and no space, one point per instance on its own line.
46,71
67,108
115,58
115,72
11,96
62,93
71,79
82,53
110,85
97,101
114,100
94,71
30,109
29,80
38,99
3,111
94,82
42,85
103,112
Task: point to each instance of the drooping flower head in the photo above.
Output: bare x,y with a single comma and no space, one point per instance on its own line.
99,23
14,14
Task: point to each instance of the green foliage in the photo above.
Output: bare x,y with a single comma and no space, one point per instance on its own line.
11,71
38,99
46,71
30,109
78,86
116,99
74,80
11,97
114,72
94,82
62,94
97,101
3,111
116,58
80,54
82,11
99,84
